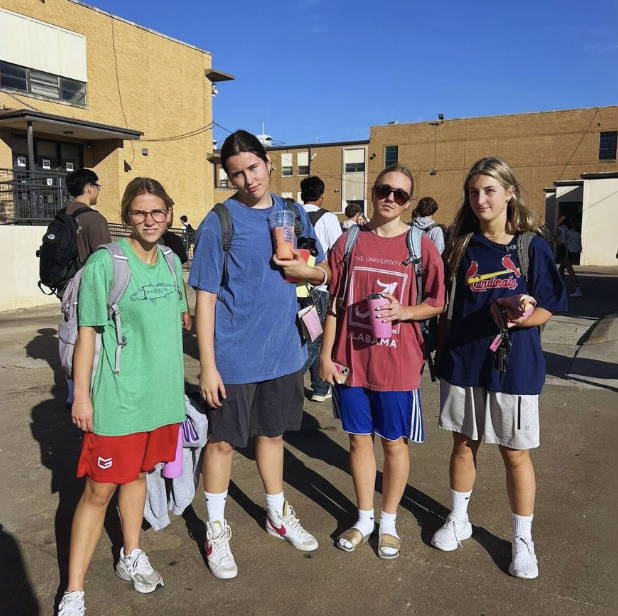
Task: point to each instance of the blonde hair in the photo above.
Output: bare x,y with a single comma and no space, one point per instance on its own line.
142,186
519,217
396,168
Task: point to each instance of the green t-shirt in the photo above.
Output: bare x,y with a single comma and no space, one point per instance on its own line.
149,391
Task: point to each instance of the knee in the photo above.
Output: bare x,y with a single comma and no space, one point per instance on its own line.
98,494
220,448
392,448
360,443
516,458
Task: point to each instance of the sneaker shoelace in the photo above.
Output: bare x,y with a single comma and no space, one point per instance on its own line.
73,607
140,564
293,523
452,524
222,546
525,554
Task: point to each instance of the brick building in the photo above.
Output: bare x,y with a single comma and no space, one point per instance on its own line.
81,87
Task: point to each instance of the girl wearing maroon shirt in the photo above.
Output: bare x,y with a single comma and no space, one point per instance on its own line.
381,396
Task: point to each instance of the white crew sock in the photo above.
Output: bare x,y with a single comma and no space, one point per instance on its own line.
387,523
460,502
215,506
276,502
522,526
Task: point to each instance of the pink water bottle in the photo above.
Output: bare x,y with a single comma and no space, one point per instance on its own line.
174,468
379,329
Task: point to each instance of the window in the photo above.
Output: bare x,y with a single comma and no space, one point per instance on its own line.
354,167
391,155
223,179
607,145
41,83
13,77
286,164
303,163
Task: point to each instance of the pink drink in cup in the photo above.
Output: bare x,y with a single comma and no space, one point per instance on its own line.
379,329
281,225
174,468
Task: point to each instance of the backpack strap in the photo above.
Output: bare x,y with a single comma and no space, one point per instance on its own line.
227,230
168,254
291,205
523,252
315,216
351,235
120,282
78,211
427,229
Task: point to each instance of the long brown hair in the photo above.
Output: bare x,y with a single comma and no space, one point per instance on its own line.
519,217
142,186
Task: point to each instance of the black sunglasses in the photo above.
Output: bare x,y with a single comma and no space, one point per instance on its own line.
382,191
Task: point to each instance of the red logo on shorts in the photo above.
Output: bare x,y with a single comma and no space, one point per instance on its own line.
104,463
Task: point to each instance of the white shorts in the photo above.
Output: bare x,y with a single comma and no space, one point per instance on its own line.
504,419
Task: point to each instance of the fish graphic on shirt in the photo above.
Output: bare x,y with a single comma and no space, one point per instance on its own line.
153,292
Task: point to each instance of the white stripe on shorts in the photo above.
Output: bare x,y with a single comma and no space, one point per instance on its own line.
417,431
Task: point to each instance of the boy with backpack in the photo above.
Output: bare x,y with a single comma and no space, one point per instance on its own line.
328,230
422,217
569,246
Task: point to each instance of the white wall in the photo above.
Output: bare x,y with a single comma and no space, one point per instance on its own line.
600,222
19,273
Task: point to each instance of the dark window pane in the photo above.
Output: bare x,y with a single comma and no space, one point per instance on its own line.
354,167
73,91
607,145
286,171
12,76
391,155
303,169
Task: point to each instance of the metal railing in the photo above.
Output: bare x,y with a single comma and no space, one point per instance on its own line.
31,197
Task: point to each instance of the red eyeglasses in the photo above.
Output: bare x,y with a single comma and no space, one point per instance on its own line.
382,191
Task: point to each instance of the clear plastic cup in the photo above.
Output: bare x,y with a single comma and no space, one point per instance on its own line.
281,225
379,329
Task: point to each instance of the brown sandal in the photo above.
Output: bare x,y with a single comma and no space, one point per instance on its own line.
352,536
388,541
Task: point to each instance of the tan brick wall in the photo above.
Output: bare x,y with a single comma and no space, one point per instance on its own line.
140,80
541,147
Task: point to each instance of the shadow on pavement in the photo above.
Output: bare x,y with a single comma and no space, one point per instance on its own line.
15,587
60,445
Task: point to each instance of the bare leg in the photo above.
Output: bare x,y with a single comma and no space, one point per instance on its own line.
396,472
363,468
520,480
269,459
217,466
566,264
462,468
86,529
131,500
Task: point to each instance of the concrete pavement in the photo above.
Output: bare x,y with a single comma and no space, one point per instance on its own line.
574,530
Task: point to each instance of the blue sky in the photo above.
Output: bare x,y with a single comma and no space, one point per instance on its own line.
316,71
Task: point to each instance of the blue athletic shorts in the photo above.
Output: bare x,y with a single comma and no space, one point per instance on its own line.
389,414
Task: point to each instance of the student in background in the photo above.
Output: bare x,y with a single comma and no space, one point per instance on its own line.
422,217
328,230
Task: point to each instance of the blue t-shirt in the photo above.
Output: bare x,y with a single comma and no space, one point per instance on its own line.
256,334
468,361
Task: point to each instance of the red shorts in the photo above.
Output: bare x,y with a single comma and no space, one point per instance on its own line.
120,459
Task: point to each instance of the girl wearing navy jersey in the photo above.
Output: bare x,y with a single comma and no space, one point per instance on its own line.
489,385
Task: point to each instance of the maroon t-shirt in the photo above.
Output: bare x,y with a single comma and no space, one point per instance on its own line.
376,266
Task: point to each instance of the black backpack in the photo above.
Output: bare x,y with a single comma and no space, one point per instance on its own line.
316,215
59,259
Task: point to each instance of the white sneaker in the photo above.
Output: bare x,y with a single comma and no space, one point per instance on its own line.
137,568
72,604
576,293
220,558
524,564
452,533
288,527
321,397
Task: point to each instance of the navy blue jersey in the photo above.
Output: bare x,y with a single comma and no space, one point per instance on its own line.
491,271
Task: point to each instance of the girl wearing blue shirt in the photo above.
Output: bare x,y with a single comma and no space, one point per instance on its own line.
481,394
